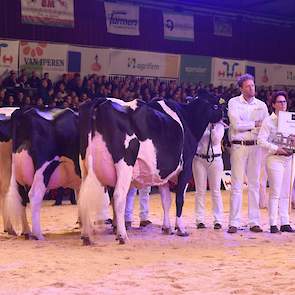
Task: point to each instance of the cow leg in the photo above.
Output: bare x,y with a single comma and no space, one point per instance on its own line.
14,208
166,204
180,191
36,195
124,176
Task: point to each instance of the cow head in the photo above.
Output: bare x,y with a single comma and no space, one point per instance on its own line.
204,109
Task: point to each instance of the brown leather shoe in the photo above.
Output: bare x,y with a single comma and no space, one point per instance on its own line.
232,229
144,223
256,229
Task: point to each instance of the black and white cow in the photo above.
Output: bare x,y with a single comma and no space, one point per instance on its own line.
140,144
45,155
5,162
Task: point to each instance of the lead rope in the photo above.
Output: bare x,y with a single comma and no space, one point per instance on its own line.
210,146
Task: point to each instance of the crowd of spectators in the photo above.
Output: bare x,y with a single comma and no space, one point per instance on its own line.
71,90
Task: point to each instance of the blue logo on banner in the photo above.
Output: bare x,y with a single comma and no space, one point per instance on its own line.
74,61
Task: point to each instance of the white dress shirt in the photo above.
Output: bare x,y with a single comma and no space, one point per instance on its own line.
242,116
217,133
268,132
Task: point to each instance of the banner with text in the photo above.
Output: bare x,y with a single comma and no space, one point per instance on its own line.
8,57
263,73
122,19
226,71
88,60
44,57
194,68
283,75
178,26
58,13
142,63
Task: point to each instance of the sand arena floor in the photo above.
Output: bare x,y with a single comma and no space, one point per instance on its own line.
206,262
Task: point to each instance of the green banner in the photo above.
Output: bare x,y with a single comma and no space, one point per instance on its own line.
194,68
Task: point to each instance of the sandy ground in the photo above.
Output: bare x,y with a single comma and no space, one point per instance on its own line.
206,262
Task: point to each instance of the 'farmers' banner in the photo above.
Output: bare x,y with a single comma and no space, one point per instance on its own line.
59,13
8,57
122,19
44,57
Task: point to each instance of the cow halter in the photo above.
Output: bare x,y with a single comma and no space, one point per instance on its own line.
210,159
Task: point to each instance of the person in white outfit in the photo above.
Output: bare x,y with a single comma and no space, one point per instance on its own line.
246,114
208,164
278,167
143,195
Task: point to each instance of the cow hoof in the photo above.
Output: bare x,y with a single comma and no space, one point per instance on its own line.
86,241
167,231
114,229
26,236
122,241
182,233
11,232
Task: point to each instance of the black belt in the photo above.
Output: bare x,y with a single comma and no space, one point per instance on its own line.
245,142
208,156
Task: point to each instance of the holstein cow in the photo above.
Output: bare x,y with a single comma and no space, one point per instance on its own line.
45,156
140,144
5,161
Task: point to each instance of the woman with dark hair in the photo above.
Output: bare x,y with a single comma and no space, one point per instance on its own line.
278,165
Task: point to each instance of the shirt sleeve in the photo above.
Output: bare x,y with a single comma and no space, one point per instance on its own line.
217,133
235,121
263,138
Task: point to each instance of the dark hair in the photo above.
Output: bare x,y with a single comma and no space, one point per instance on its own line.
244,78
278,93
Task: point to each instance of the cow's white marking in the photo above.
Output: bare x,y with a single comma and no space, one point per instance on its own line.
166,204
170,112
131,104
6,112
13,207
50,115
5,174
124,175
128,138
145,172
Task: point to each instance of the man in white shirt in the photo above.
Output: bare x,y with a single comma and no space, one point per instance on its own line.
246,114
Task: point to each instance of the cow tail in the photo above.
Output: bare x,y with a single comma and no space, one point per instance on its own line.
13,206
93,202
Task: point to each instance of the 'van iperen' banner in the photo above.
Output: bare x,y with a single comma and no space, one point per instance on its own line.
57,13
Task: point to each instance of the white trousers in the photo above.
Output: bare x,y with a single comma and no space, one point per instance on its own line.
263,196
279,177
245,159
143,194
202,170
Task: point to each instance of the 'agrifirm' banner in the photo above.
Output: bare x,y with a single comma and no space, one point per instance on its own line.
142,63
194,68
226,71
122,19
44,57
8,57
178,26
87,61
58,13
